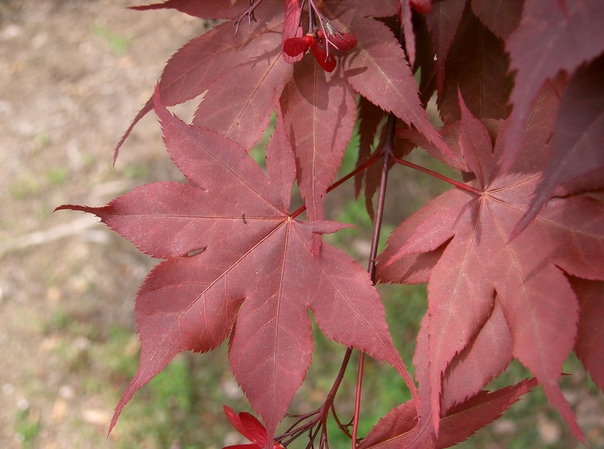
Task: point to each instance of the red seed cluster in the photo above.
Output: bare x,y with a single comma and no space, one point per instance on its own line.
319,45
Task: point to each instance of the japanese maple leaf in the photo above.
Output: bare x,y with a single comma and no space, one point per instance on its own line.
236,263
462,242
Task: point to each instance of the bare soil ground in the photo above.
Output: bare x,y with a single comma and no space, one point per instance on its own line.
72,76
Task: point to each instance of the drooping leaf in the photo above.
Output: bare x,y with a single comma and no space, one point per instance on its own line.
239,103
380,61
319,111
577,146
424,61
369,121
478,66
405,428
240,267
478,260
407,26
240,74
401,428
443,21
486,357
559,37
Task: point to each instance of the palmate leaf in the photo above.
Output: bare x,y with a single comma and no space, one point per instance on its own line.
480,268
239,75
236,263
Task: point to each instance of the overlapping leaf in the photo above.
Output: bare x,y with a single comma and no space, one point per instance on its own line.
577,156
407,428
590,338
380,61
480,268
320,112
443,22
237,264
240,73
558,37
476,64
500,17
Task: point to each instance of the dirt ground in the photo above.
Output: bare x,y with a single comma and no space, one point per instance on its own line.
72,76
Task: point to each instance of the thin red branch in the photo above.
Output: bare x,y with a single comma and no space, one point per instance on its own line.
459,185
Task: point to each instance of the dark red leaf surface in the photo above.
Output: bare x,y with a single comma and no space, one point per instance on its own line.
558,37
393,432
513,257
500,17
407,26
256,277
478,66
319,111
240,75
479,260
379,61
578,142
590,338
239,103
443,21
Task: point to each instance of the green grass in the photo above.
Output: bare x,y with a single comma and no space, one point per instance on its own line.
118,43
27,426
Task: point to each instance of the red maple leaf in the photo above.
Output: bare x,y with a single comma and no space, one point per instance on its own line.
237,263
462,242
